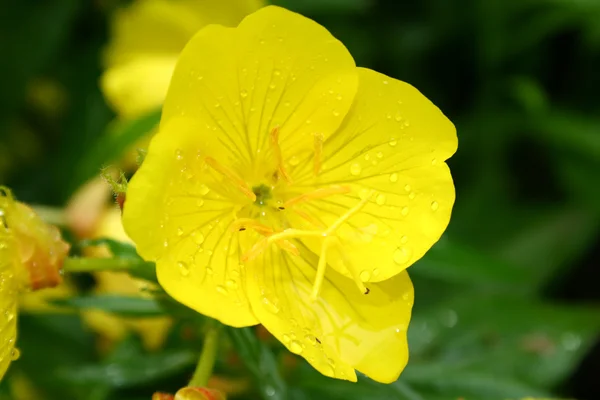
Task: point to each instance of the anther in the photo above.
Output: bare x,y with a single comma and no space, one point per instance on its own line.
278,156
227,173
318,156
368,291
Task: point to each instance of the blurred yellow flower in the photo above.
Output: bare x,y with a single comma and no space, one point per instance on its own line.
146,39
31,256
288,187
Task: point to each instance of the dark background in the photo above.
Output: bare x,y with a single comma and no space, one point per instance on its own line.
506,303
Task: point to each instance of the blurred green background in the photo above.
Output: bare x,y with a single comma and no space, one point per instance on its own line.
507,303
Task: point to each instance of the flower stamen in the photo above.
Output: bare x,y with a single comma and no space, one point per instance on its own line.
227,173
278,156
317,160
317,194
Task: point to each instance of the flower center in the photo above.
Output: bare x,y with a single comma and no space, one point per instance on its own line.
263,194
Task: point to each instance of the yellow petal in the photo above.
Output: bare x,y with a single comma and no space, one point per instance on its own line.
8,298
390,148
241,83
344,329
179,214
147,38
138,86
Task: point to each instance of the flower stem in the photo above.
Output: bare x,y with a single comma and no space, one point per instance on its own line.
207,357
91,264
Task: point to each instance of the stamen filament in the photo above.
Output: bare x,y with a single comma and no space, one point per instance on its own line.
249,223
317,160
317,194
321,267
349,214
278,156
239,182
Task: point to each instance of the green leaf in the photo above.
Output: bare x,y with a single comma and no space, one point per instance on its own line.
129,306
261,362
113,145
134,370
325,6
452,262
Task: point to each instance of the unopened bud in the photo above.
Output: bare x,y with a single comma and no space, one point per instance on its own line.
162,396
199,393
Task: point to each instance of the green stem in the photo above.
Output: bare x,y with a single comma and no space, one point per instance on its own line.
207,357
90,264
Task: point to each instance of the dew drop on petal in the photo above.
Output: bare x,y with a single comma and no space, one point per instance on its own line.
270,305
15,354
404,239
221,290
393,142
407,188
434,161
379,155
286,338
404,211
401,255
394,177
355,169
380,200
209,271
375,272
179,154
184,269
310,339
336,113
204,189
294,161
296,347
179,231
199,203
365,276
411,195
198,237
434,206
243,93
231,284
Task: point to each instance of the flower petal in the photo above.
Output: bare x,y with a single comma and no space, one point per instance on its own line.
277,69
179,214
8,297
390,148
344,329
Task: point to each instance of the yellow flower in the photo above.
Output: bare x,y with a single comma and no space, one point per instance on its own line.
288,187
31,256
147,38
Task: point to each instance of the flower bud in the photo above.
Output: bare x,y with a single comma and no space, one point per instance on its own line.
198,393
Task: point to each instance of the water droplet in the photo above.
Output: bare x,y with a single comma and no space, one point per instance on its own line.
385,82
434,161
311,339
380,200
179,154
204,189
411,195
401,255
308,121
365,276
404,211
407,188
231,284
406,123
379,154
394,177
166,243
272,86
398,117
336,113
296,347
235,273
277,72
15,354
217,105
367,157
405,296
179,231
294,161
434,206
375,272
338,97
244,93
404,239
393,142
184,269
286,338
221,290
270,305
355,169
198,237
329,371
209,270
287,104
199,203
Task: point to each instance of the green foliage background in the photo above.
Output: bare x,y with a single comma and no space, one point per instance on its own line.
506,303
